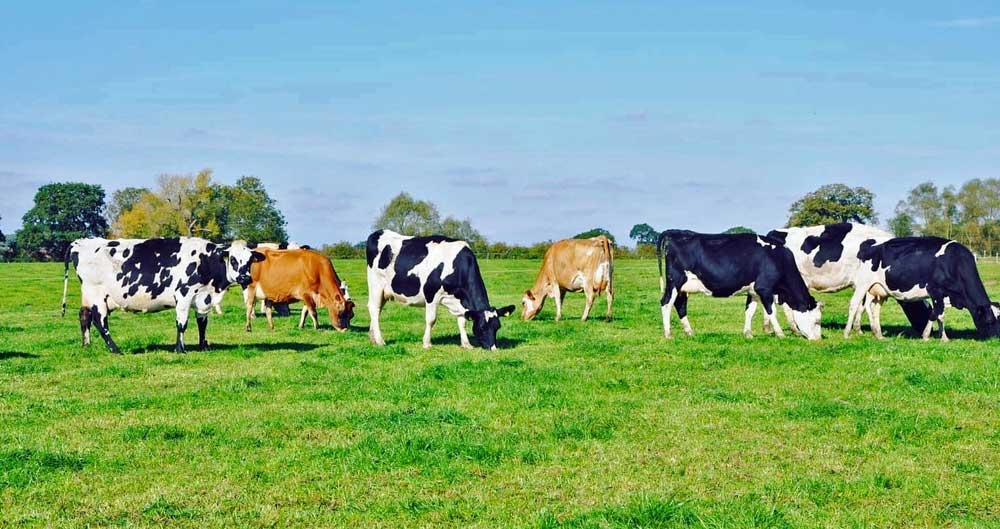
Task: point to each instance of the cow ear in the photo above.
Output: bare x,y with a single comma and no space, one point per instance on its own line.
256,257
505,311
529,295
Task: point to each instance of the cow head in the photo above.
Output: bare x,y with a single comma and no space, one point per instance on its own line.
530,305
986,320
807,322
341,309
486,323
238,258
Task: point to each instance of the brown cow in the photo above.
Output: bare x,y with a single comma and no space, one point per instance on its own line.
299,275
572,265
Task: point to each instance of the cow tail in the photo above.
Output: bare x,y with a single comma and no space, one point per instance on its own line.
660,254
69,250
610,249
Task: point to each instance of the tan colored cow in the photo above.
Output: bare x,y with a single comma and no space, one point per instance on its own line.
572,265
298,275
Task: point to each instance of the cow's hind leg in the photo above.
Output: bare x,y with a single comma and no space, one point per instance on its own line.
182,322
588,292
681,304
768,303
430,316
202,327
609,293
269,312
666,305
86,318
375,303
748,312
857,302
557,295
99,314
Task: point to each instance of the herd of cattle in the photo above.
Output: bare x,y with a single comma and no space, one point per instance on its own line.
924,274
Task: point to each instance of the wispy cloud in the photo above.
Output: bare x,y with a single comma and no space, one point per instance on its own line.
969,22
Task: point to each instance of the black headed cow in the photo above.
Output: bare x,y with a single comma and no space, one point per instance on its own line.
723,265
150,275
430,271
918,268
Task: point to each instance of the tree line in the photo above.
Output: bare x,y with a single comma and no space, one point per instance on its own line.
196,205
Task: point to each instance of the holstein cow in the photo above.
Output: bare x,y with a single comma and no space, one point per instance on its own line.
298,275
727,264
150,275
918,268
827,258
430,271
572,265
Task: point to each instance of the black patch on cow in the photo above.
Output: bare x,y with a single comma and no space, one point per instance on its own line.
193,252
371,247
208,299
189,271
252,245
466,282
830,243
113,251
305,247
126,253
149,265
283,246
211,270
112,244
411,253
778,235
386,257
433,283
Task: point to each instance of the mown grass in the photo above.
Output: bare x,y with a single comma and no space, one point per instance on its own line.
570,424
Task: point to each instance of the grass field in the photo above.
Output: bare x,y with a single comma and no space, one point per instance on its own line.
570,424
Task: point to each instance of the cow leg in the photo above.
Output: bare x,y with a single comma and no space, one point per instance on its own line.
463,336
86,318
938,306
202,327
875,317
182,322
681,304
666,305
99,314
749,311
302,316
269,312
430,316
588,292
557,296
312,314
249,300
609,293
769,305
789,317
375,303
857,300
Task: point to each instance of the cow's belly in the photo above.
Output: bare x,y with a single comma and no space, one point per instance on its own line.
694,285
142,302
407,300
915,293
830,278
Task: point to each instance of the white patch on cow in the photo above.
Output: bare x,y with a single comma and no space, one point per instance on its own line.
915,293
490,314
601,272
943,248
529,306
579,281
764,243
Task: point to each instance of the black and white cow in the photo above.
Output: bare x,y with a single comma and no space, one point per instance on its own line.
918,268
430,271
150,275
727,264
827,258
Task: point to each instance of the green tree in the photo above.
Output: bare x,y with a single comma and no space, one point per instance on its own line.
251,213
901,224
404,214
62,212
739,229
643,234
123,200
463,230
833,203
594,232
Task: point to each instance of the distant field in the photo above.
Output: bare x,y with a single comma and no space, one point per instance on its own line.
570,424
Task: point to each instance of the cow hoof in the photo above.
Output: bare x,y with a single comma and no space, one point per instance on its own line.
204,347
115,351
427,346
748,335
180,350
467,346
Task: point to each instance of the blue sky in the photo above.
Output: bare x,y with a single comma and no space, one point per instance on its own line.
536,120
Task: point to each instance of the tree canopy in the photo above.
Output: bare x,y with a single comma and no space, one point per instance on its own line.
594,232
833,203
62,212
970,214
644,234
406,215
739,229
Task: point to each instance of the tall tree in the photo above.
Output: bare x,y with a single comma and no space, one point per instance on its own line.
251,212
462,230
123,200
901,224
404,214
62,212
594,232
739,229
833,203
181,205
644,234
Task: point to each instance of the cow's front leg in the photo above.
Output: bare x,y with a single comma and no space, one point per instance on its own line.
857,300
99,314
182,323
557,296
667,305
748,312
202,327
463,336
86,319
375,303
875,318
681,304
302,316
610,295
789,317
249,300
269,312
430,315
768,304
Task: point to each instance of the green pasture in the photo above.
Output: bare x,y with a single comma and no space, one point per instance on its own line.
569,425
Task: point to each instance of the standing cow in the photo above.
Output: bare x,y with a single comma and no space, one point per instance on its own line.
430,271
285,276
827,258
281,308
150,275
727,264
572,265
918,268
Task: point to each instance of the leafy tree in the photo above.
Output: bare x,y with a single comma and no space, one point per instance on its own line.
739,229
181,205
594,232
62,212
643,234
901,224
252,214
123,200
833,203
404,214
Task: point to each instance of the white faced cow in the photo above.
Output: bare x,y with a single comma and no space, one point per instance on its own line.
727,264
827,258
918,268
430,271
150,275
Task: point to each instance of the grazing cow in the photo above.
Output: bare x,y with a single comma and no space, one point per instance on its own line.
827,258
572,265
150,275
918,268
298,275
281,308
430,271
727,264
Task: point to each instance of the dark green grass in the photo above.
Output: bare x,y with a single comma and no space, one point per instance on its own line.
570,424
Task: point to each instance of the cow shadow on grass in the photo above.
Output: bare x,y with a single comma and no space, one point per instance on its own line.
4,355
298,347
905,331
454,339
